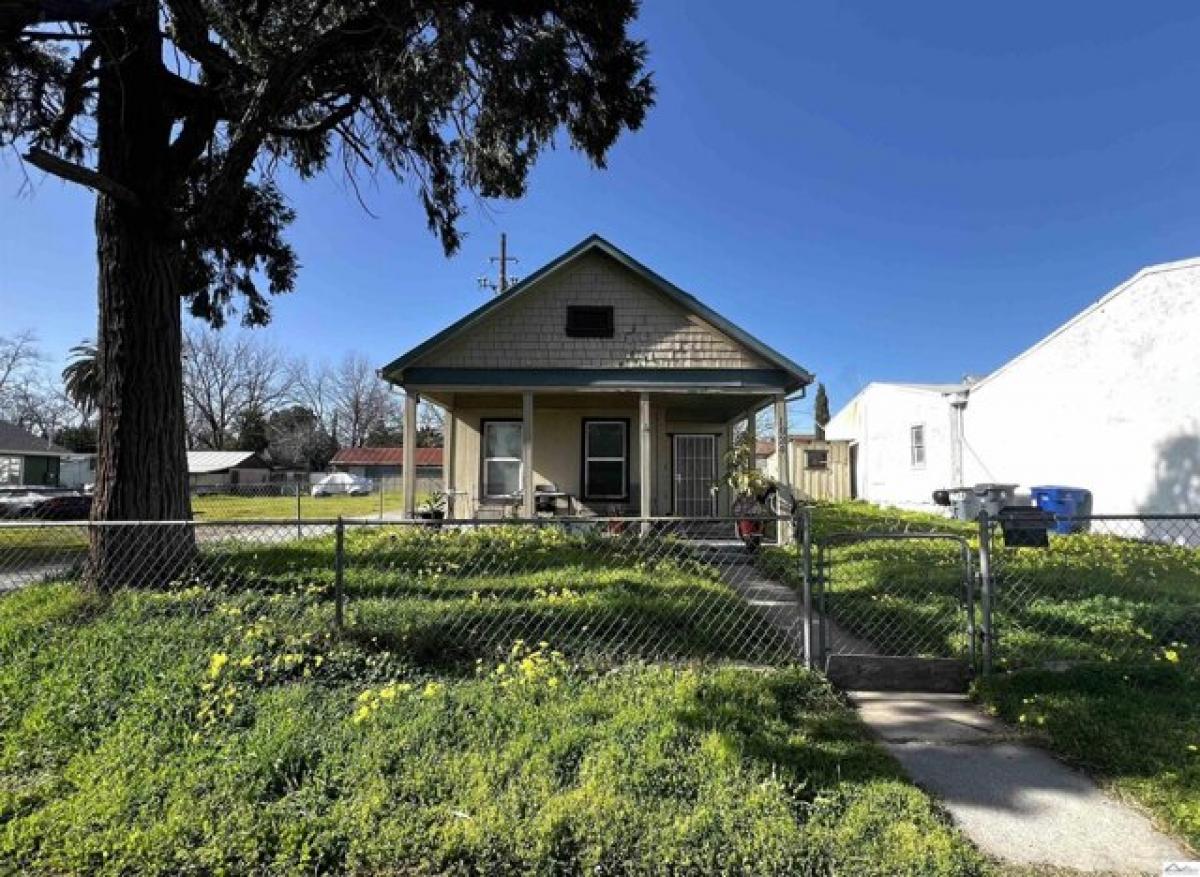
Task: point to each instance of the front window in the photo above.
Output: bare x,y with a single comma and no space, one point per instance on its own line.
917,446
501,458
10,470
605,459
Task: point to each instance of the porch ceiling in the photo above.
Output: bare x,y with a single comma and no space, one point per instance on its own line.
695,406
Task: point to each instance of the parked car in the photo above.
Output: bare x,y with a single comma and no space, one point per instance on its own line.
69,507
342,482
21,501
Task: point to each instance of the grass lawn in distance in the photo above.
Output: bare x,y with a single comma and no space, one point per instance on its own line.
227,507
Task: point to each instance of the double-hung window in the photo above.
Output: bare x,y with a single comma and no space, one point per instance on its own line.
606,459
916,439
501,458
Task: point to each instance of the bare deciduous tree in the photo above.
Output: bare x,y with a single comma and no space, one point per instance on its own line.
19,361
361,399
223,377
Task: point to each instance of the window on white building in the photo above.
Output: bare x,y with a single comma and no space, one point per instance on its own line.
917,445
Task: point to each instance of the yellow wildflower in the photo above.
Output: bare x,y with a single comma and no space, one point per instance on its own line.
217,663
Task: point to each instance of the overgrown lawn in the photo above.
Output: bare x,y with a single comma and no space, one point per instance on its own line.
232,731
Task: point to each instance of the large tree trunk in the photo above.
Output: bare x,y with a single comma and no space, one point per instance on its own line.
142,472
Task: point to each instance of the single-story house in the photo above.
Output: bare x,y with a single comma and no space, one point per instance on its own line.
28,460
386,462
219,468
597,379
1109,401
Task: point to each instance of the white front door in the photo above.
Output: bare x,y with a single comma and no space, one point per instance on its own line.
695,474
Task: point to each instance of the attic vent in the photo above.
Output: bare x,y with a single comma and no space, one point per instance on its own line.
589,321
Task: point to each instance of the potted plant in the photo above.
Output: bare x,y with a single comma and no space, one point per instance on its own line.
750,488
432,506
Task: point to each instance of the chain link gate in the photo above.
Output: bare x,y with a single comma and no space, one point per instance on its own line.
893,595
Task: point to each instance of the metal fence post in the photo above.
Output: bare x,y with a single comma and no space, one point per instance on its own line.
299,529
805,534
986,591
339,566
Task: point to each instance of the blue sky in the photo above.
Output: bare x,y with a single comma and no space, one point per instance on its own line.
881,191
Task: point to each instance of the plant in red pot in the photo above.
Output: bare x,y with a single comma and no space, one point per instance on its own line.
751,489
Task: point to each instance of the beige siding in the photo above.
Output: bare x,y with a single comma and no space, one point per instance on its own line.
651,331
832,483
558,454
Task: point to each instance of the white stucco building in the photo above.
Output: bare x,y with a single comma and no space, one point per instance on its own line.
1110,401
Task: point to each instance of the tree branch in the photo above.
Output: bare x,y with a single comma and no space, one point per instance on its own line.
324,126
74,173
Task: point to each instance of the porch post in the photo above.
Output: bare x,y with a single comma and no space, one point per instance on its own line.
409,474
645,470
784,475
448,461
528,505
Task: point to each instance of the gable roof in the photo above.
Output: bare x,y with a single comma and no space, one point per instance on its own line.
386,457
207,462
18,440
595,243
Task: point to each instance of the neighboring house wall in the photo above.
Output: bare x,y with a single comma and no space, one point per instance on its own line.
1110,402
649,330
77,471
230,476
880,421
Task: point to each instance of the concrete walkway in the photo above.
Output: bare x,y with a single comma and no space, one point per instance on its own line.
1015,802
781,605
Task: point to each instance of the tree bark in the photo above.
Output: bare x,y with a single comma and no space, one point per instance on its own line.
142,470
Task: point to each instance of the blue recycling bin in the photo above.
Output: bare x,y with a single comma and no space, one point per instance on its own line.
1064,502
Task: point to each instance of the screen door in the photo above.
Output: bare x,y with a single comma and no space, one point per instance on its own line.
695,474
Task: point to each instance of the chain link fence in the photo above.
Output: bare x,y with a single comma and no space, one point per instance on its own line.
606,590
1105,588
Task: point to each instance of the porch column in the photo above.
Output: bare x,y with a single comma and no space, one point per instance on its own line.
529,507
409,474
784,475
448,462
645,439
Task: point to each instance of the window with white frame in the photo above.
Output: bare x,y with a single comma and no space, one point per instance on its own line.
916,441
501,458
605,459
10,470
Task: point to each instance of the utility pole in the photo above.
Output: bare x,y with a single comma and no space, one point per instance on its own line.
503,259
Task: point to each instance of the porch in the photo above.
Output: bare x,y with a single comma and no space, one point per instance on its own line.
620,452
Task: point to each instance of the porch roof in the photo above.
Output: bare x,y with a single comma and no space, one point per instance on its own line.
636,379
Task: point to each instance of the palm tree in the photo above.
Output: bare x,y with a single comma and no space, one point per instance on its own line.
81,378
